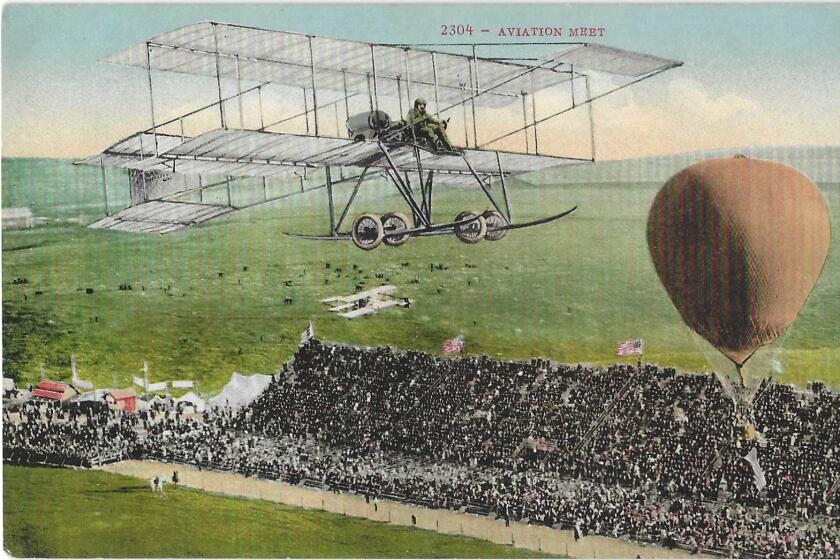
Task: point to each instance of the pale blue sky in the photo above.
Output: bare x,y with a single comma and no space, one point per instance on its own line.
753,74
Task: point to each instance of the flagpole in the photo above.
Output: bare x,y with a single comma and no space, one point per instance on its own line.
146,379
641,353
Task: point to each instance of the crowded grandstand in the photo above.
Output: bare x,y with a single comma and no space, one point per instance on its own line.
633,452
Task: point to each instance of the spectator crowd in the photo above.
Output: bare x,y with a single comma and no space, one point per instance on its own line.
631,452
82,434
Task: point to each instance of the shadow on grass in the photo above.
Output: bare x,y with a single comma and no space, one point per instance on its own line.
25,246
120,490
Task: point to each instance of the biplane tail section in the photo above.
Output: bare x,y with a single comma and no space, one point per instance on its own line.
158,216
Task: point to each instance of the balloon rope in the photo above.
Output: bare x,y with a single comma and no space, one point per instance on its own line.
597,423
726,447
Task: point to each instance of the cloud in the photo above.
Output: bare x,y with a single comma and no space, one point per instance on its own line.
680,115
690,117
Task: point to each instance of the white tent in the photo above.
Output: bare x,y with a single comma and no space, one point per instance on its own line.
240,390
157,400
193,400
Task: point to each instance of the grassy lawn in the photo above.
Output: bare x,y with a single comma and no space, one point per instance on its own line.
66,513
208,301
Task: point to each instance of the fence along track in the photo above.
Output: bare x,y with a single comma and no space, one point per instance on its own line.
519,535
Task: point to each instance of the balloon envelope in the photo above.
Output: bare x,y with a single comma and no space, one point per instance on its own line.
738,244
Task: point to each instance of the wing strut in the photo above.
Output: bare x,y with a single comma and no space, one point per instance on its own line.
350,200
483,186
590,99
428,193
426,205
330,197
504,189
104,186
410,189
394,174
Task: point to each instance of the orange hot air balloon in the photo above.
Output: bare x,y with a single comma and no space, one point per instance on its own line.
739,244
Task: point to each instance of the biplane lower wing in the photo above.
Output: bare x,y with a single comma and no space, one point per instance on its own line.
240,149
250,153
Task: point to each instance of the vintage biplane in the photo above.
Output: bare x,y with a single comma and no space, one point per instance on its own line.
366,302
172,164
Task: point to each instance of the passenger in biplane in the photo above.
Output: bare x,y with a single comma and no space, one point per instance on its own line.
426,125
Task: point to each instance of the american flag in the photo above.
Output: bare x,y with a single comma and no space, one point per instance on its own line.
454,345
630,347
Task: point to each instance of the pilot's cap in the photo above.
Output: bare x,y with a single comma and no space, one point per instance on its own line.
420,101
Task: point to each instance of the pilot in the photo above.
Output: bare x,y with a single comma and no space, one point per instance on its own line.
426,124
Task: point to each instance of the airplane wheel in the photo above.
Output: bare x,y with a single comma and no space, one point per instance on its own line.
472,232
494,219
367,232
391,222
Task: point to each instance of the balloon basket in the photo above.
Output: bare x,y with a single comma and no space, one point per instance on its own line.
745,384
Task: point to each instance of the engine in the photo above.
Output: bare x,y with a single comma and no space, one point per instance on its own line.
366,126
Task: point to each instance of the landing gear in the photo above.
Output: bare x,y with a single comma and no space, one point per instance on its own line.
394,229
472,232
367,232
494,220
394,221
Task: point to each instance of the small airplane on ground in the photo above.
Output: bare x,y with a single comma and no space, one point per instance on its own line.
170,171
367,302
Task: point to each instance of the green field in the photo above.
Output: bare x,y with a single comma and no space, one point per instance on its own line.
65,513
570,290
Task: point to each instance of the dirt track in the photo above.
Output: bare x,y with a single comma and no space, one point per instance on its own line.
520,535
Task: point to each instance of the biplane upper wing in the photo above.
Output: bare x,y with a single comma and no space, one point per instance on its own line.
372,307
239,52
